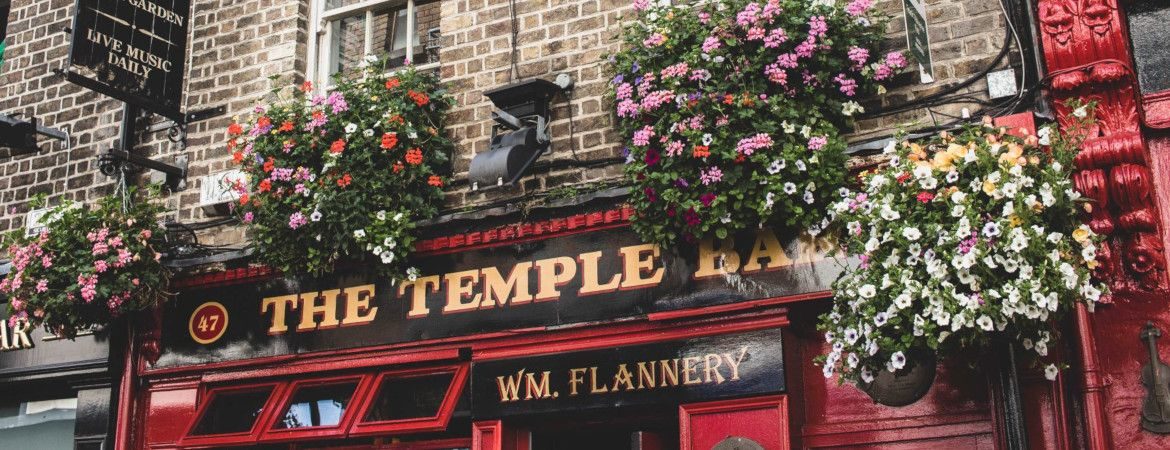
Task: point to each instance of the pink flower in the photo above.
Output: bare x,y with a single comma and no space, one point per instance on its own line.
858,7
787,61
817,26
704,17
145,234
641,5
100,248
675,70
755,33
748,16
124,257
674,148
776,74
711,44
895,60
882,72
749,145
859,56
46,261
134,282
816,142
775,38
654,40
642,137
627,108
100,266
115,241
248,217
711,175
625,91
296,220
848,85
42,286
806,48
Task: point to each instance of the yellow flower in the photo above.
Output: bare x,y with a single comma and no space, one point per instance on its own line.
988,187
1015,220
1092,264
943,160
1015,151
1081,234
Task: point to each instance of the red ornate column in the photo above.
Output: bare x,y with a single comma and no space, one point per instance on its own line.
1087,52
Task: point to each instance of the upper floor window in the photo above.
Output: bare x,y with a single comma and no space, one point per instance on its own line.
349,30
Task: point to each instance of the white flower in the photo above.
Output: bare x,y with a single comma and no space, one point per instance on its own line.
1045,135
880,318
952,177
985,323
1055,237
1042,348
776,166
808,197
389,242
851,107
789,188
1010,189
866,375
359,234
1091,292
889,214
928,183
852,360
788,128
854,227
898,360
387,257
412,274
769,200
315,216
958,211
867,291
911,233
890,148
350,128
851,336
872,244
827,370
707,138
991,229
1050,372
902,301
1089,253
921,172
377,250
800,165
398,217
381,215
368,133
1081,112
806,131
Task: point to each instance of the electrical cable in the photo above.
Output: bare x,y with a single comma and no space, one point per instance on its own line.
515,73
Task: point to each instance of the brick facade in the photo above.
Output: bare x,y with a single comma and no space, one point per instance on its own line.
237,45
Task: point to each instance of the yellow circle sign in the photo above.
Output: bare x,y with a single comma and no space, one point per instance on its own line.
208,323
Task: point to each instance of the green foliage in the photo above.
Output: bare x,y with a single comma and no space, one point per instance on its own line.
87,267
344,176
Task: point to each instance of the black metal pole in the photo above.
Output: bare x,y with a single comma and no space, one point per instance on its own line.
129,115
1011,401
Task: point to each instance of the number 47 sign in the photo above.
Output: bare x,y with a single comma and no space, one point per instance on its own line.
208,323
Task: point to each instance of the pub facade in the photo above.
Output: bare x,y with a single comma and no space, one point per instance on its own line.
536,318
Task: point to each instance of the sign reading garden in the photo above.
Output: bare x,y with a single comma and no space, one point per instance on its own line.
133,50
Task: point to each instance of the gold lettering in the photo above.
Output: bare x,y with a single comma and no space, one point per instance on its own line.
460,288
357,305
418,298
553,273
636,262
766,246
593,389
668,375
500,292
711,257
623,377
533,389
646,375
589,283
20,335
4,335
510,387
689,368
310,309
279,306
709,368
576,377
734,363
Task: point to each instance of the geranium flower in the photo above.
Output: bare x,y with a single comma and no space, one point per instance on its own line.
337,146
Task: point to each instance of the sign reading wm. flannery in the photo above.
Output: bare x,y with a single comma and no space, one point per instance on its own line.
662,374
134,49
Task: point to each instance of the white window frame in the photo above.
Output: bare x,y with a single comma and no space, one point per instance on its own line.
321,34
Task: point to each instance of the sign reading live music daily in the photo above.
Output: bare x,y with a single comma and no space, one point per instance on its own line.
571,279
133,50
659,374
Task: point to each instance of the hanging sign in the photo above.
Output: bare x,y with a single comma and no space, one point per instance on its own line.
918,38
660,374
577,278
132,50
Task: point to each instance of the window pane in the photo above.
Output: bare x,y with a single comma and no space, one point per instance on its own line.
317,406
426,41
409,398
38,424
349,43
389,30
232,412
331,4
1148,30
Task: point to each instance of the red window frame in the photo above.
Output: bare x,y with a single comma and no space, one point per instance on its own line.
250,436
438,422
268,433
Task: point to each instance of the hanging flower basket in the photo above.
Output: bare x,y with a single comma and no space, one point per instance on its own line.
731,111
343,175
904,386
88,266
968,236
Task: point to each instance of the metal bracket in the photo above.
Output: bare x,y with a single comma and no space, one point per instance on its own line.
1156,378
113,162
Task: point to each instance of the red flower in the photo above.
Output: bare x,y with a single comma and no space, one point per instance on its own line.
396,119
414,156
269,164
740,158
238,157
337,146
925,197
389,140
392,83
708,198
701,151
263,122
243,199
435,181
903,177
419,98
235,129
345,180
307,87
652,157
728,99
286,126
398,167
265,185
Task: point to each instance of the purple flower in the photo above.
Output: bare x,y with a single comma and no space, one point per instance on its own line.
634,68
651,196
652,157
618,79
682,183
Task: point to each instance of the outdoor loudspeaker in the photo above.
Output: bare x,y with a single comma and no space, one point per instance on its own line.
519,136
509,157
19,136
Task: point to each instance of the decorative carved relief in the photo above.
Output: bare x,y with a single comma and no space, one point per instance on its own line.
1088,50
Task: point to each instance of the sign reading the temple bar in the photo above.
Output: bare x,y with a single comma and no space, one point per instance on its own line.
577,278
666,373
133,50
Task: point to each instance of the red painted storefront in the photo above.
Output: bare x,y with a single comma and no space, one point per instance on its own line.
1096,403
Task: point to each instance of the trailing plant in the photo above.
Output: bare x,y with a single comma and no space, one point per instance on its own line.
343,175
973,236
87,267
731,110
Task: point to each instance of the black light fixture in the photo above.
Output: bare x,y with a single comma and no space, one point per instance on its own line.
520,134
19,136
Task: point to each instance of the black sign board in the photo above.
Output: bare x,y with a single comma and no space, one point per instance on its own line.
132,50
578,278
666,373
28,353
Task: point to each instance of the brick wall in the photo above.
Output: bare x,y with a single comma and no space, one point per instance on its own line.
237,45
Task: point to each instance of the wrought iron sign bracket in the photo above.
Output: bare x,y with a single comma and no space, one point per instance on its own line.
1155,377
